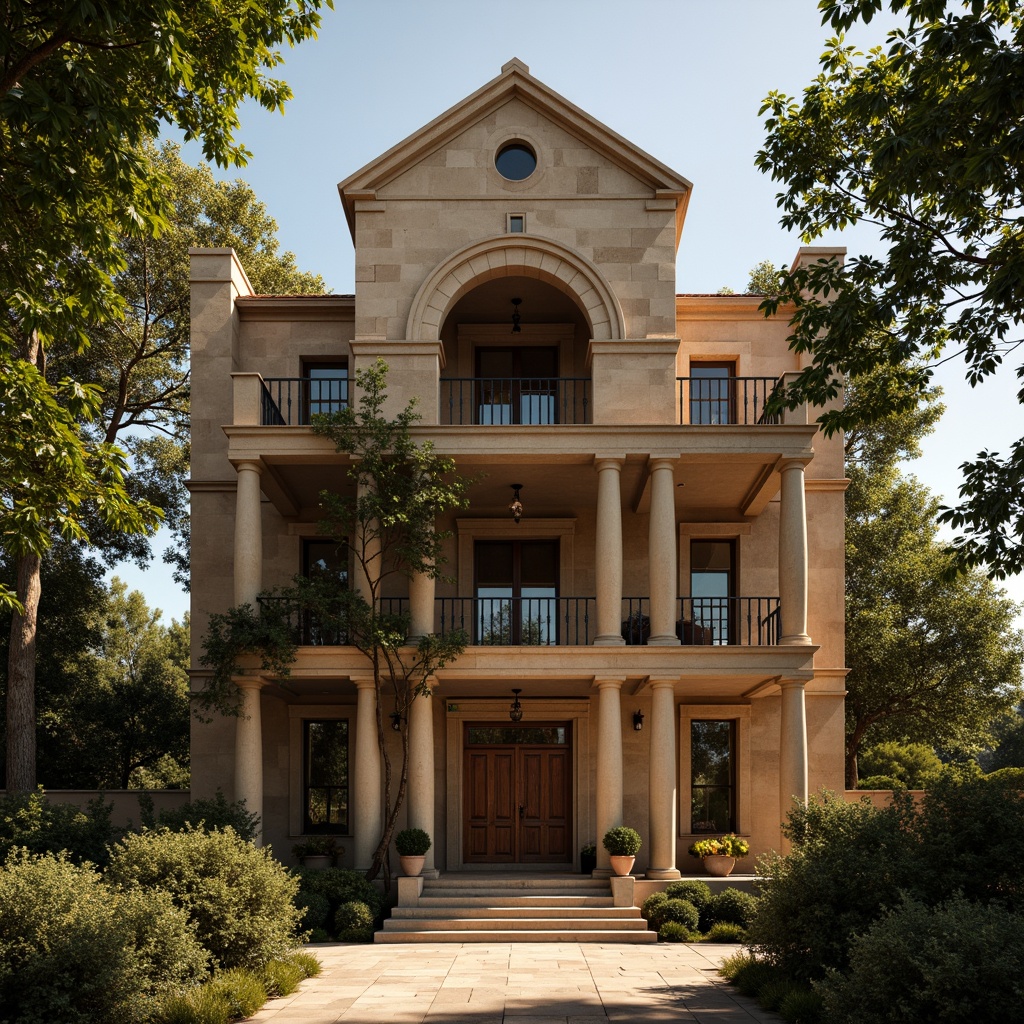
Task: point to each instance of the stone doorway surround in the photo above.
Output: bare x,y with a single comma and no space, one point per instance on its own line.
535,709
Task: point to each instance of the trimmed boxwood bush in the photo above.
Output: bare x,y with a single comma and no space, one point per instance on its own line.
693,889
353,922
314,907
239,898
75,950
733,906
682,912
340,885
652,907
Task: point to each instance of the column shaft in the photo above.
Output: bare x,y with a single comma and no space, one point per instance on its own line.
421,771
248,535
421,606
662,766
249,750
609,764
793,554
608,561
662,560
366,799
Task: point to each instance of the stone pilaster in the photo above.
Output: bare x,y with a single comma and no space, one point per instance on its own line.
662,559
608,560
662,768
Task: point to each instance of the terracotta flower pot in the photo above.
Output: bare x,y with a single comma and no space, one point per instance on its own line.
716,864
621,865
316,861
411,865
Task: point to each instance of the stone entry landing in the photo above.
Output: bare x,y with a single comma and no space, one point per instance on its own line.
516,908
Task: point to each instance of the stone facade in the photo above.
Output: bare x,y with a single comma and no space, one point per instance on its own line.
691,549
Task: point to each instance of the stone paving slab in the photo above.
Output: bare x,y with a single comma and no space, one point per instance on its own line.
516,983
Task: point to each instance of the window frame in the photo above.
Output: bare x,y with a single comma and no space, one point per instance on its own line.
730,399
342,827
308,366
742,811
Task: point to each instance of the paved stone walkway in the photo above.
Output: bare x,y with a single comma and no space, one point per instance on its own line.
520,983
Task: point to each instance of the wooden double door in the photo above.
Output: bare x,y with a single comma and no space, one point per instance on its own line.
517,794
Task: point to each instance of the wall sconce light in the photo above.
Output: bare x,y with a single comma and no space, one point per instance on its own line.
396,721
515,505
516,329
515,712
638,720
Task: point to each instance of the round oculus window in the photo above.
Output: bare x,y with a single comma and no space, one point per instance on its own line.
515,161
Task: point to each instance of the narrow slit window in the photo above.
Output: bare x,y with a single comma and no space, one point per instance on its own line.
517,222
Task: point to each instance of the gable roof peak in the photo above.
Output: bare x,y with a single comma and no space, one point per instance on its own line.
515,64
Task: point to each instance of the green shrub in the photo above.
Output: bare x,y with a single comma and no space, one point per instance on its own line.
412,842
314,907
651,907
238,897
354,914
1014,775
773,992
200,1005
952,964
281,977
622,841
242,990
732,906
747,972
682,912
73,949
319,935
340,885
29,820
914,765
880,782
726,931
306,962
673,931
693,889
802,1006
208,815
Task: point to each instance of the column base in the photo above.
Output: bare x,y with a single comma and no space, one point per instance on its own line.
664,640
609,640
799,639
662,874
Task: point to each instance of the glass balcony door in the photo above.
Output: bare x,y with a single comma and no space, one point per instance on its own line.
516,593
517,385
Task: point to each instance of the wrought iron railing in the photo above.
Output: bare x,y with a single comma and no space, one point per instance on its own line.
506,401
291,401
709,621
519,621
736,400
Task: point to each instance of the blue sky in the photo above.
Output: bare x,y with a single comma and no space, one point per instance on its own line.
682,79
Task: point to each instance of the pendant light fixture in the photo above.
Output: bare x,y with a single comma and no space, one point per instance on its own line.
515,505
515,712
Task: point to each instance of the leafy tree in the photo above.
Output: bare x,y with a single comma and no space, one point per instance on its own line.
763,279
912,764
81,92
933,655
920,138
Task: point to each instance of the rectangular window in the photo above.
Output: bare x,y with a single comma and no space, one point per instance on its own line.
517,385
712,589
712,775
516,222
712,393
325,744
326,389
516,593
327,562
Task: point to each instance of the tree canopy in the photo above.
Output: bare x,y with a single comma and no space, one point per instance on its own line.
920,138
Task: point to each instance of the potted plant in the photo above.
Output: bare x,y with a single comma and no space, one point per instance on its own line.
317,851
412,845
719,855
588,858
623,844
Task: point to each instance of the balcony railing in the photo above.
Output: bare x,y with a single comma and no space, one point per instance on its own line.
506,401
519,621
736,400
291,401
709,621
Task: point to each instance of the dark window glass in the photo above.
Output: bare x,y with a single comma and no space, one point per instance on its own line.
517,385
325,561
516,223
326,775
515,161
326,389
548,734
711,393
712,776
516,592
711,587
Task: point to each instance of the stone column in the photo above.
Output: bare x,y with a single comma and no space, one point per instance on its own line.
792,746
248,534
249,749
421,606
662,562
793,554
421,772
609,765
608,561
366,799
662,767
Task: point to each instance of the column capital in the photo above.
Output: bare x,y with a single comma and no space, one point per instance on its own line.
656,462
250,465
788,684
616,684
362,682
792,462
660,684
249,682
608,461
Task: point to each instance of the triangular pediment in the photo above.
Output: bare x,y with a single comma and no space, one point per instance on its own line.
513,88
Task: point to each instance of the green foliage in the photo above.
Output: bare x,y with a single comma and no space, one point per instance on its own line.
319,935
726,931
722,846
622,841
1015,776
732,906
673,931
306,962
954,963
340,885
238,897
315,909
651,909
353,915
880,782
200,1005
74,949
29,820
802,1006
763,279
748,973
317,846
692,889
773,993
412,842
243,991
681,911
281,977
209,814
910,136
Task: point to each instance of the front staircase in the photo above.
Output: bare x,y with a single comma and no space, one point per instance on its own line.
518,908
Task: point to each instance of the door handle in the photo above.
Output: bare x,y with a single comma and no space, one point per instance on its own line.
521,812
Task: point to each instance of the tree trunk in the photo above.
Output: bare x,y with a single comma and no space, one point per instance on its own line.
21,681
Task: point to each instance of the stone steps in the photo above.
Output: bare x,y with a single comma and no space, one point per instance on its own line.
520,908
